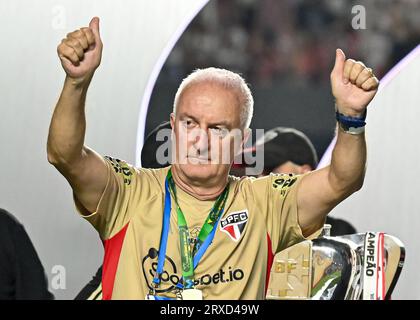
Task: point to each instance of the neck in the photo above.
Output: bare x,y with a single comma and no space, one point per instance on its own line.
200,191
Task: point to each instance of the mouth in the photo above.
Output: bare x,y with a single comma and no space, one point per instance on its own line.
199,159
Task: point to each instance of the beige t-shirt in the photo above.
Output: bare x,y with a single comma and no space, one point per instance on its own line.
260,220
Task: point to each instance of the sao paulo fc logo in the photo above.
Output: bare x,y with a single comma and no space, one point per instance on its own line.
234,224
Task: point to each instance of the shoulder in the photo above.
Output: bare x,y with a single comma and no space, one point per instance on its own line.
10,228
128,171
275,180
7,219
265,188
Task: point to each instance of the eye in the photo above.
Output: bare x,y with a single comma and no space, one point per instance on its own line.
218,131
188,123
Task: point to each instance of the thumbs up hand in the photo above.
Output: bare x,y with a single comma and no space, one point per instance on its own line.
81,51
353,85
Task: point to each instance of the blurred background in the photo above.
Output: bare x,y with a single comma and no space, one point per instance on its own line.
285,50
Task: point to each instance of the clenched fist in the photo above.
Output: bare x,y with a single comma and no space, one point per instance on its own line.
353,85
81,51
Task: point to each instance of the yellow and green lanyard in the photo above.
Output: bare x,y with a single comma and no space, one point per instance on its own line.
190,257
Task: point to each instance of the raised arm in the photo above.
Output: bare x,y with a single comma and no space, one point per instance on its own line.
353,87
80,54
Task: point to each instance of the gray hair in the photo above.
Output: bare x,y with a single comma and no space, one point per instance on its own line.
227,79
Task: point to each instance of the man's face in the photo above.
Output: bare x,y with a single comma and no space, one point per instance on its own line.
207,131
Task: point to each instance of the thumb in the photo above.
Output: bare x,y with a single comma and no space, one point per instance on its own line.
94,25
340,59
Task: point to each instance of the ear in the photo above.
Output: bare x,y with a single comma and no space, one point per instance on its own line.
246,134
172,118
305,168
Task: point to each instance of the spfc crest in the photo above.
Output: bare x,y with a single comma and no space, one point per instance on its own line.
234,224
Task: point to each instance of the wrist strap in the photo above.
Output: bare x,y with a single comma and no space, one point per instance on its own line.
351,125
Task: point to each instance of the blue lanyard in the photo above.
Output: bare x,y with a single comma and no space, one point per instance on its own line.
164,235
164,239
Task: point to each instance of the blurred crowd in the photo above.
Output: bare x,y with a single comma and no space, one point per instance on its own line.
294,40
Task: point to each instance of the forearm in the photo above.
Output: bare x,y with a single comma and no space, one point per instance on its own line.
348,163
86,171
68,124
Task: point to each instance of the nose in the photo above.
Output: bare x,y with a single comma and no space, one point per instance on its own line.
201,142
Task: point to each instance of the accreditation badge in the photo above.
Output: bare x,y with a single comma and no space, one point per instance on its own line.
192,294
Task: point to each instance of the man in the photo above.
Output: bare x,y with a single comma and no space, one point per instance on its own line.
191,231
287,150
22,276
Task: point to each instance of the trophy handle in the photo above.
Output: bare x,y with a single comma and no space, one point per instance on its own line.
395,251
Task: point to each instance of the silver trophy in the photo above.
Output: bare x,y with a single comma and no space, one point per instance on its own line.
362,266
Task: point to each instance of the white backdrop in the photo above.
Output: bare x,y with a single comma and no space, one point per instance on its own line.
135,35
